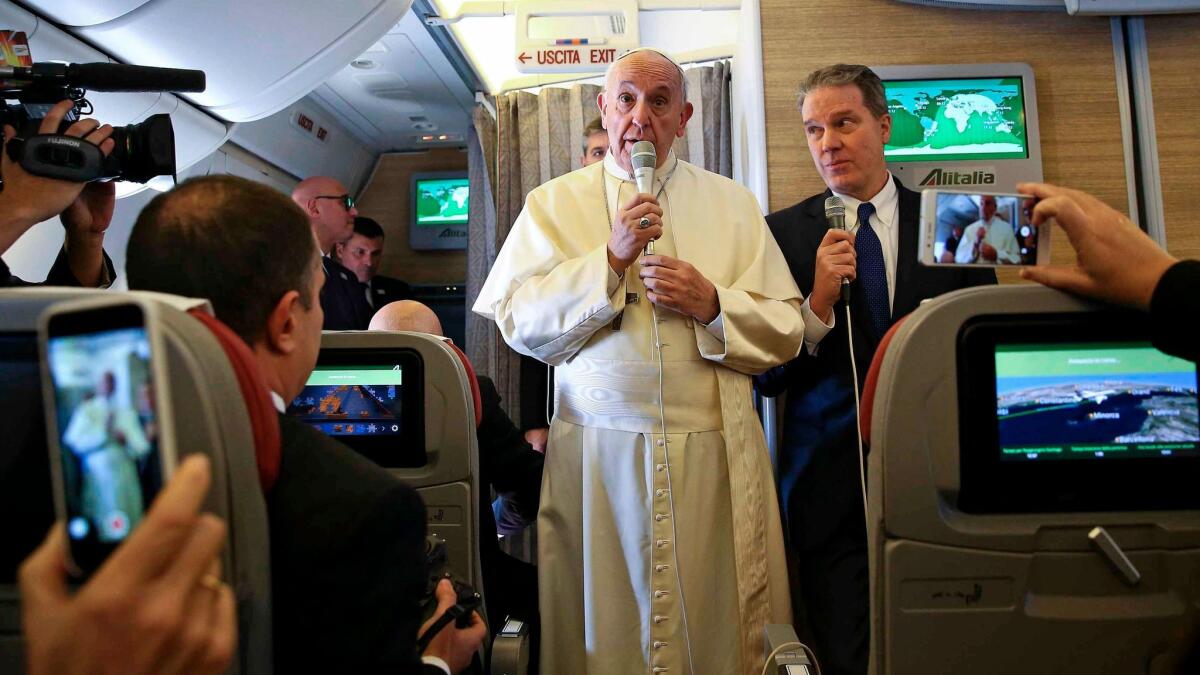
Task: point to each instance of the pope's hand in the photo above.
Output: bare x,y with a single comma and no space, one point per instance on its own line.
628,237
987,252
676,285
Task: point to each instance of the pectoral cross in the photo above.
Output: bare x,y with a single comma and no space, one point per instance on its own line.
630,299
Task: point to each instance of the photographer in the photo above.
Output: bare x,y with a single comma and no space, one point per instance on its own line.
86,209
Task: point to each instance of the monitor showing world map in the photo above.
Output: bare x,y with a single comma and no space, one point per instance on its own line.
956,119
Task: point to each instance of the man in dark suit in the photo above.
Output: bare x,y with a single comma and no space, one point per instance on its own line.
846,124
347,538
330,210
361,254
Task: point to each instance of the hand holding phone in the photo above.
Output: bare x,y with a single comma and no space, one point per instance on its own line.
110,452
160,588
973,229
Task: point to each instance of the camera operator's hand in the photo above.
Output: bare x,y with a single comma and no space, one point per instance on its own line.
86,220
155,606
27,199
454,645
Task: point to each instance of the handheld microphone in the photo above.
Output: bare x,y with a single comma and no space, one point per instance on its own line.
644,159
835,215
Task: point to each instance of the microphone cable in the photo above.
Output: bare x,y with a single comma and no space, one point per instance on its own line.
862,472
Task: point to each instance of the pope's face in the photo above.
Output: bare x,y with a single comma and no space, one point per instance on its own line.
643,100
987,204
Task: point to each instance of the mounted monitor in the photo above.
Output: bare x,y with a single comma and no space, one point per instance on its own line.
962,125
439,208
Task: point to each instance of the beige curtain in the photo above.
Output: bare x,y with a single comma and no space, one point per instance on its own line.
537,137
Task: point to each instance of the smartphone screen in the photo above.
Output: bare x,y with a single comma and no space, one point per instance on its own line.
110,465
983,229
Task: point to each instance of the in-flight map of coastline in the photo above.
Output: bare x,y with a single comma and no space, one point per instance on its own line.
1088,401
947,120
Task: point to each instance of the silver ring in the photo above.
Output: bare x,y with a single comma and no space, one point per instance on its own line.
644,222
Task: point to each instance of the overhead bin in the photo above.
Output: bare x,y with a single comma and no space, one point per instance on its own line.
75,13
196,134
259,56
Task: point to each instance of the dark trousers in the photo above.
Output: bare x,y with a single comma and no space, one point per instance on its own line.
832,598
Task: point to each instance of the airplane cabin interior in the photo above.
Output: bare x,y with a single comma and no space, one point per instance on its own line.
994,476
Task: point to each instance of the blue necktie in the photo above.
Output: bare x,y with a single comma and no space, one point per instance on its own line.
872,276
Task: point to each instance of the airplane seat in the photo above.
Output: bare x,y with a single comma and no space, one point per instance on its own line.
472,381
1032,501
871,382
264,426
201,383
415,414
513,644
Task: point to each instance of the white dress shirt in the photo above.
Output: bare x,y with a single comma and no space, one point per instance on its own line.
886,224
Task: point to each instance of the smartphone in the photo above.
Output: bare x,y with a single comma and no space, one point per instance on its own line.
111,449
980,229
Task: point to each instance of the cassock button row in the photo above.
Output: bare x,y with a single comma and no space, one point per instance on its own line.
660,467
660,492
660,669
661,594
659,517
659,618
661,568
662,543
659,644
659,442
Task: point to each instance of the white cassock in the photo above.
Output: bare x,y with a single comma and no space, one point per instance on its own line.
620,534
998,233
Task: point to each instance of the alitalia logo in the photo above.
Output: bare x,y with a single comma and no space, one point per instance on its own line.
939,177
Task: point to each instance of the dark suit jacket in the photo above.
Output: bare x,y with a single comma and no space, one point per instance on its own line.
1173,307
347,560
819,419
60,273
388,289
343,299
514,470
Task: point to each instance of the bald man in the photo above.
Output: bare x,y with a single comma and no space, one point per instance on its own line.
408,315
330,210
654,554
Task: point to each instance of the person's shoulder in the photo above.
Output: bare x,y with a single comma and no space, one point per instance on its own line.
337,272
582,180
798,212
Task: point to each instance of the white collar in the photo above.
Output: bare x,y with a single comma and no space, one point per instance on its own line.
280,405
661,174
884,202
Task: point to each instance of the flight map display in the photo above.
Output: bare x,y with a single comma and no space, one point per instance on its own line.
352,401
962,119
442,201
1076,401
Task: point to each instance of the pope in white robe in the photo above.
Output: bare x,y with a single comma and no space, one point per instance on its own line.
989,239
655,555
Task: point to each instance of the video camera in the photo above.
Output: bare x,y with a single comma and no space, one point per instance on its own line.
142,150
